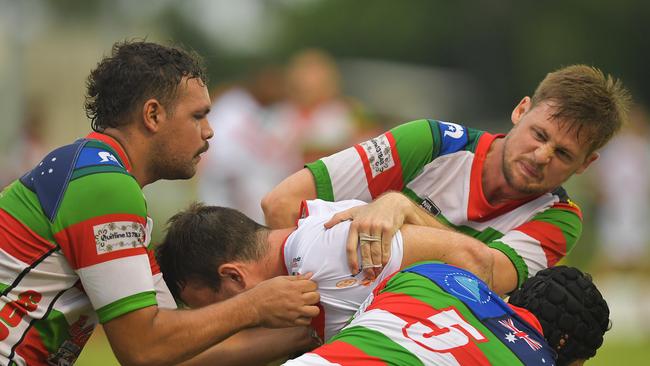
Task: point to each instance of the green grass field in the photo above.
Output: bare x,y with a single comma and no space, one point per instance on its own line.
636,352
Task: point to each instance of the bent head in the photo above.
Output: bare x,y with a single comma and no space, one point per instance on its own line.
574,112
571,310
210,254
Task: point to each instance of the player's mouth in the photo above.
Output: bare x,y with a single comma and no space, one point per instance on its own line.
530,170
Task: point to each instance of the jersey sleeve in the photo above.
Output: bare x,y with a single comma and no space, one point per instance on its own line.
102,229
386,162
542,241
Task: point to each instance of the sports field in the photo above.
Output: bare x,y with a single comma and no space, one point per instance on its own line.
618,351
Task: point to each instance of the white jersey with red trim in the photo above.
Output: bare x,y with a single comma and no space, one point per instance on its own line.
312,248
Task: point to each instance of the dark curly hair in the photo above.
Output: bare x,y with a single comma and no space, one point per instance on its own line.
202,238
571,310
135,72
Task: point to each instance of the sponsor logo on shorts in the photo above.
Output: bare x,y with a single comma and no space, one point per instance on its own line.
118,235
380,156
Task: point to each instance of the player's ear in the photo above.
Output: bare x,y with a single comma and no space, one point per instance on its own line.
590,159
232,276
152,114
520,110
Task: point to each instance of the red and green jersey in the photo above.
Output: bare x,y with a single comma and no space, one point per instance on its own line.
73,252
435,314
438,165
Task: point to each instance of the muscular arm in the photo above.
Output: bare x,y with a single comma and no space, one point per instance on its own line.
153,336
492,266
281,205
256,346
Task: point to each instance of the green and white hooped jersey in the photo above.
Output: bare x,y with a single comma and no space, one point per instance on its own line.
73,252
435,314
312,248
438,165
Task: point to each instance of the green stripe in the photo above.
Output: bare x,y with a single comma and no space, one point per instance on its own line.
97,195
126,305
515,258
415,144
568,222
23,205
322,180
53,330
412,195
374,343
97,169
423,289
3,286
473,136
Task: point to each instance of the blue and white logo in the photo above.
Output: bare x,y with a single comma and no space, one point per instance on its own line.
454,137
466,287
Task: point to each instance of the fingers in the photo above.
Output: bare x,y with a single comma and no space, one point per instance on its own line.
351,249
309,311
386,239
311,297
340,217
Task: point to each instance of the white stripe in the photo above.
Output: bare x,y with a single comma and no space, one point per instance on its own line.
391,326
310,359
446,181
110,281
348,176
530,249
163,295
10,267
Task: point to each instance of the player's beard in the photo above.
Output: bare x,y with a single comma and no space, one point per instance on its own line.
509,164
171,166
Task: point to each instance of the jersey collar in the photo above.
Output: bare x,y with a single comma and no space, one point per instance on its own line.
478,208
114,144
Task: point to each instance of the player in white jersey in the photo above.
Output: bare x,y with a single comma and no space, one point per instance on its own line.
213,253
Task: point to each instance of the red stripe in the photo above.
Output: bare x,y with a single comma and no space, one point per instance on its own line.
32,349
108,140
550,236
318,322
478,207
80,248
390,179
569,207
347,355
412,310
155,269
528,318
19,241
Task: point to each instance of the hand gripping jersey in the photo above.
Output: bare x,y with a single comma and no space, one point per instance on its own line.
312,248
73,237
435,314
439,165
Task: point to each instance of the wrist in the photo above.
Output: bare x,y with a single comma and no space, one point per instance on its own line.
246,305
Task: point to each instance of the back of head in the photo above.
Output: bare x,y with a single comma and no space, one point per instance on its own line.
134,73
571,310
593,103
202,238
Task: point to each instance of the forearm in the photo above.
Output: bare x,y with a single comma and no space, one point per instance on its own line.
490,265
282,204
256,346
413,213
153,336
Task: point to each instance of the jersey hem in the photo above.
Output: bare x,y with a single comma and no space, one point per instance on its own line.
321,180
515,258
126,305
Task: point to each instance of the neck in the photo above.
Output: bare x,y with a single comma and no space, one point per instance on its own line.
136,151
273,264
495,187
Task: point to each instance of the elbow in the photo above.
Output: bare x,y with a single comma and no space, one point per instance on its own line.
270,205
